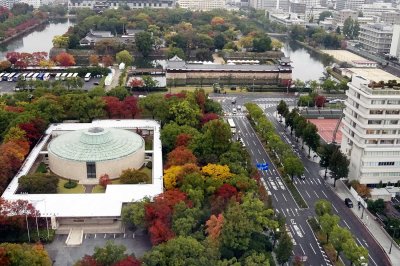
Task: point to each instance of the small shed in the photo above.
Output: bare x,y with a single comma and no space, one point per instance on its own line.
380,193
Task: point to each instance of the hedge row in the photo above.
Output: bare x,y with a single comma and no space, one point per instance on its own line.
266,130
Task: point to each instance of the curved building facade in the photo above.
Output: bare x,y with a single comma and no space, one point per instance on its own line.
87,154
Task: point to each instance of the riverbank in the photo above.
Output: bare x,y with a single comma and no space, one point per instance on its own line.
21,33
318,51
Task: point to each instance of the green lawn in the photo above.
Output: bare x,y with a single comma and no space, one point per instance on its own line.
62,190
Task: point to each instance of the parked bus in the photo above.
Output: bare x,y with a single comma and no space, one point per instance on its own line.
40,76
58,76
69,75
5,76
23,76
46,76
29,76
232,125
17,77
64,76
1,75
10,77
75,75
88,76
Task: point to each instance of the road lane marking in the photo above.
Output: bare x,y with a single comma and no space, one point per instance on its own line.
284,197
301,228
254,143
335,208
306,170
259,152
316,194
304,253
307,194
346,224
313,249
372,260
276,198
292,211
324,193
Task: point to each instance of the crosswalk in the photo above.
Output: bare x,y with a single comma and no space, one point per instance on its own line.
276,100
308,181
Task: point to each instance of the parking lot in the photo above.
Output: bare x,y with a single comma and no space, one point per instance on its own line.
136,243
9,86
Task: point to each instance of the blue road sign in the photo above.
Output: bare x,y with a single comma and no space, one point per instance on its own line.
262,166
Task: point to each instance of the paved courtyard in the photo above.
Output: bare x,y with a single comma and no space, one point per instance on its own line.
62,255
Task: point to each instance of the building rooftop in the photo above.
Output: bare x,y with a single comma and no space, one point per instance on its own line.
106,204
96,144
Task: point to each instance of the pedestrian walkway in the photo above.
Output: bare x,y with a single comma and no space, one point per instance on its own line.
376,230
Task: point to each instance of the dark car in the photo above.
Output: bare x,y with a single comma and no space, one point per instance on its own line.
348,202
96,83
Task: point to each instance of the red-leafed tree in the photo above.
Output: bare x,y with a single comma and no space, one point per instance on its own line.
3,257
14,109
208,117
226,191
180,156
183,139
180,95
158,215
64,59
107,60
131,106
320,101
200,97
128,261
136,83
34,129
104,180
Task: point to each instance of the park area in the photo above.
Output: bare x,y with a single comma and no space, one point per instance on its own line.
326,127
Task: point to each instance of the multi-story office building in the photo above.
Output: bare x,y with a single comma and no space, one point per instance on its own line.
8,3
376,37
344,14
202,4
395,45
134,4
371,132
376,9
349,4
391,17
297,7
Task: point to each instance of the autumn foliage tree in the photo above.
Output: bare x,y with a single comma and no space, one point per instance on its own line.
128,108
216,171
65,59
208,117
173,175
214,226
104,180
34,129
183,139
180,156
217,21
136,83
158,215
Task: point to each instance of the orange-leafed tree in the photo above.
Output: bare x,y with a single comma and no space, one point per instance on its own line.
180,156
214,226
107,60
65,59
183,139
217,21
94,60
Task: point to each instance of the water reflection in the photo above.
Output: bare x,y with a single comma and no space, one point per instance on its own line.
39,40
307,65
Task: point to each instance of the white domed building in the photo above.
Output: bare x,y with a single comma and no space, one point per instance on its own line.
85,155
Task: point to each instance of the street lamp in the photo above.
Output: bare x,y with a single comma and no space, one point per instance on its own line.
276,232
394,233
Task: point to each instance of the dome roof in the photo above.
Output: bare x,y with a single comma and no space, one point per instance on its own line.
96,144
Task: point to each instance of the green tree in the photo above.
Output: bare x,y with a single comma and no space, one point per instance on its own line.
124,57
24,255
144,43
256,259
183,113
323,207
293,166
262,43
376,206
290,117
149,82
82,107
171,130
60,41
342,86
311,137
339,165
120,92
38,184
299,123
177,251
284,249
133,176
357,255
172,51
339,236
327,223
282,108
325,153
324,14
150,105
134,213
351,28
109,254
219,41
328,85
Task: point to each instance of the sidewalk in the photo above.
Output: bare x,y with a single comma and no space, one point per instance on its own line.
376,230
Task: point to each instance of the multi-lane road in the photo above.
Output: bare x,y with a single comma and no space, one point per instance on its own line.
312,188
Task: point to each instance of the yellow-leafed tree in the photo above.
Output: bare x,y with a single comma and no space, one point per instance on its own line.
216,171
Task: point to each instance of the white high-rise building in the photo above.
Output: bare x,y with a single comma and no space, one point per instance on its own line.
202,4
371,132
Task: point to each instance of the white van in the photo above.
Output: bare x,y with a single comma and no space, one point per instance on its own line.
234,111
